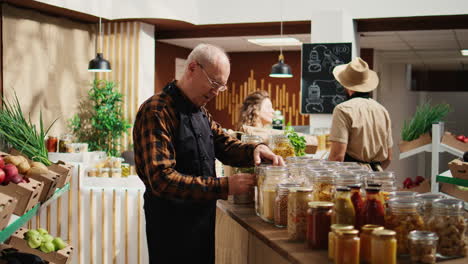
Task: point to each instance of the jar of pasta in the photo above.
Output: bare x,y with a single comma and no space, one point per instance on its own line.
298,200
260,171
347,247
318,224
281,204
426,200
423,246
332,238
403,217
323,185
274,176
450,226
384,247
344,212
281,146
366,238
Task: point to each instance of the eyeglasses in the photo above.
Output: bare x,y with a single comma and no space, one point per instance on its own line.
214,84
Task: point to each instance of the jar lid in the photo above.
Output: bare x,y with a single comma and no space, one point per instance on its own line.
320,204
347,175
343,189
355,186
429,196
374,184
422,235
402,194
335,227
303,189
454,204
347,232
382,174
370,228
373,189
403,202
277,168
283,186
384,233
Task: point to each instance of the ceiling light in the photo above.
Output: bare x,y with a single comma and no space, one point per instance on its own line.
99,64
282,41
464,52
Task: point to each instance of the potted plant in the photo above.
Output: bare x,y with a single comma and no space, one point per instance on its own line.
100,121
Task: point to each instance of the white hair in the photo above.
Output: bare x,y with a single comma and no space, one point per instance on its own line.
207,54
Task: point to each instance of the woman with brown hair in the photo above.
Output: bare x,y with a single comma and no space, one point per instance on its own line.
257,110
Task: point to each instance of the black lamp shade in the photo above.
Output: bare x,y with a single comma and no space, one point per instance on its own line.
281,69
99,64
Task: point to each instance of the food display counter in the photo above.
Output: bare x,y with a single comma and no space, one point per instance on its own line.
243,237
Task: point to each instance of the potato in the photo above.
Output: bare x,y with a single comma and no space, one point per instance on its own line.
15,160
23,167
40,165
37,170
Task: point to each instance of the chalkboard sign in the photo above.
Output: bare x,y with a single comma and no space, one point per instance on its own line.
320,92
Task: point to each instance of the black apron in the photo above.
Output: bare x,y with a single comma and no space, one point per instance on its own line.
184,231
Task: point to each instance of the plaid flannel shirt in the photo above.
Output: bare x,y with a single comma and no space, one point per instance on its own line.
155,131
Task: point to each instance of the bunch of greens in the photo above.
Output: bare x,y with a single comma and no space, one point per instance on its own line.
21,133
298,142
423,119
100,121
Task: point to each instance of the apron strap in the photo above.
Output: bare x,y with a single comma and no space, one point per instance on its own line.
375,166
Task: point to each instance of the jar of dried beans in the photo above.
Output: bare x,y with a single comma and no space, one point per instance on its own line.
281,204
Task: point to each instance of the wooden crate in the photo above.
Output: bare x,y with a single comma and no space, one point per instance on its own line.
27,194
8,205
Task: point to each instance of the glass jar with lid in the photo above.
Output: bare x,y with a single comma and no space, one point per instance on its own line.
347,247
116,172
334,228
260,171
281,204
384,247
281,146
323,185
344,179
318,224
299,160
426,200
125,169
343,212
65,140
297,173
373,211
298,200
274,175
423,246
403,217
104,172
366,238
92,172
450,226
358,203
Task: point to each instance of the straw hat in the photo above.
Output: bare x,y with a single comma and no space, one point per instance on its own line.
356,76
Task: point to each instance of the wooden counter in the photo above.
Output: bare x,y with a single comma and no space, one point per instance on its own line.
242,237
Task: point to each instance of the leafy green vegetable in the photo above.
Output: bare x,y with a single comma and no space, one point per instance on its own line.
21,133
298,142
423,119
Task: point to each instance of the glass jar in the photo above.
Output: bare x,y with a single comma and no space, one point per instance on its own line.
347,247
323,185
52,143
248,197
384,247
281,146
366,238
332,238
386,178
423,246
297,173
116,172
344,179
281,204
426,200
402,194
260,171
92,172
125,169
318,224
301,160
274,176
298,200
450,226
358,204
373,211
104,172
403,217
343,212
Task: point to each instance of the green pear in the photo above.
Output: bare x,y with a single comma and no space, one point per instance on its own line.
42,231
34,241
31,232
47,247
47,238
58,243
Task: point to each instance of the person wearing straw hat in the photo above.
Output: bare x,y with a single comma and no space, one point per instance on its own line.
361,127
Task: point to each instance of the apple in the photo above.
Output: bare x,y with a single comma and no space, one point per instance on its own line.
34,241
47,247
58,243
30,233
2,162
42,231
47,238
10,171
2,176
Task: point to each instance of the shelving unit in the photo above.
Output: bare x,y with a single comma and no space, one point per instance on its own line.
18,221
435,148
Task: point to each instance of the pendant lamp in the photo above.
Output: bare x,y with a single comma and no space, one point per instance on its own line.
99,64
281,69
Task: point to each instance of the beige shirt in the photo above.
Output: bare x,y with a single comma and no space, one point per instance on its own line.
365,126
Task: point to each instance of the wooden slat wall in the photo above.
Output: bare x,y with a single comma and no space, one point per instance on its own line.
121,48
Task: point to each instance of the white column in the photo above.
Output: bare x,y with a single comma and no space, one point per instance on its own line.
331,26
146,62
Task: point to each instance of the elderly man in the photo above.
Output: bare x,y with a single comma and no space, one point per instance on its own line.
361,127
176,142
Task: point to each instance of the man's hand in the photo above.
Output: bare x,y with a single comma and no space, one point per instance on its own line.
241,183
264,152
